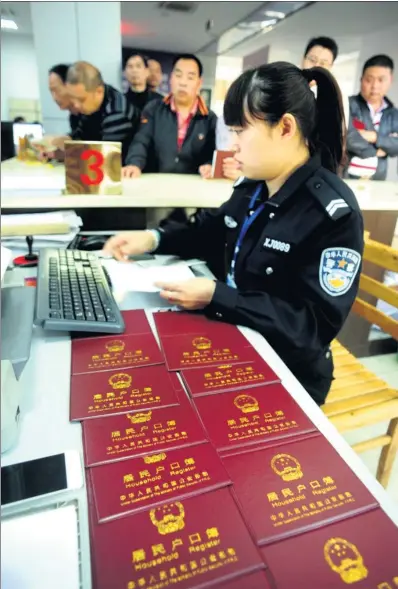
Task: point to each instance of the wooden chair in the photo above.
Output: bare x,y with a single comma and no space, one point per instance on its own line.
358,397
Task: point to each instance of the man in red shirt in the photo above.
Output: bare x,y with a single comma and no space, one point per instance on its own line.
177,134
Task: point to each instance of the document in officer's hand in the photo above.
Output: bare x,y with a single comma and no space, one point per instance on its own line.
135,277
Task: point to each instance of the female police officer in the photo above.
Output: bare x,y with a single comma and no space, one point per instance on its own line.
291,236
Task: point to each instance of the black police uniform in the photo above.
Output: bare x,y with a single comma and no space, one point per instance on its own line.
297,271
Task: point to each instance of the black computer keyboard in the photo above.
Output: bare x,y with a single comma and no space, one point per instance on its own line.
74,293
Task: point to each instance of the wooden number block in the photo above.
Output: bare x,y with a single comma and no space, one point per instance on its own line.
93,167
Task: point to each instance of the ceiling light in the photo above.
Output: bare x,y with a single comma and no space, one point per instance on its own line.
274,14
6,23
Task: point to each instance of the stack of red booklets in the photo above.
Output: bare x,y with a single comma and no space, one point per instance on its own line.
227,484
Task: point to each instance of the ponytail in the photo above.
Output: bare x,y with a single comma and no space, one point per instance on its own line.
328,134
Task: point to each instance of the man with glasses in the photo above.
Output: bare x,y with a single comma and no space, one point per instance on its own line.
320,51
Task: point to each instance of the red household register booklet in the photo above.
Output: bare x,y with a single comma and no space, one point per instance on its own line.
190,543
294,487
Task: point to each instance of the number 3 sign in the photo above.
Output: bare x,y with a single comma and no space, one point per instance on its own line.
93,167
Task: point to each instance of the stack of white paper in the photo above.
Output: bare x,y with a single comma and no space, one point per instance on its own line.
41,226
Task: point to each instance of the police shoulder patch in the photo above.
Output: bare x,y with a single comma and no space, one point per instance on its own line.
337,270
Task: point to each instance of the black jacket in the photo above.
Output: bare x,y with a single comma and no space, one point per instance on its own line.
358,146
140,99
116,120
290,287
155,149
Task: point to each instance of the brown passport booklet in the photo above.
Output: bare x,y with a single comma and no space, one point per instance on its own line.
218,160
111,353
123,391
251,417
228,377
136,434
360,552
196,542
295,487
131,485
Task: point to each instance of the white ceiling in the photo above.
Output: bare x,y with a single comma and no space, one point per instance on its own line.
346,22
152,28
145,26
20,12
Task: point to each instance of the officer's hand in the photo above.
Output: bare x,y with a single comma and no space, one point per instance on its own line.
205,171
230,168
192,294
381,153
129,244
131,172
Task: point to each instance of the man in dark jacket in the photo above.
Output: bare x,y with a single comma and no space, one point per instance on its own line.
177,134
106,114
137,73
373,126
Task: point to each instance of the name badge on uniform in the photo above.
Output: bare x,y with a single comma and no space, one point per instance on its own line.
337,270
275,244
230,222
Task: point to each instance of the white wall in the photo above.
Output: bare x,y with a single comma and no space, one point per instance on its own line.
65,32
19,72
209,63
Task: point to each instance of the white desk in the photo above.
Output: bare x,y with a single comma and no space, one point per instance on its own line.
151,191
45,426
32,189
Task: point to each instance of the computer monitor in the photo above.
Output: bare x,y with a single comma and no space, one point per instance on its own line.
7,141
33,130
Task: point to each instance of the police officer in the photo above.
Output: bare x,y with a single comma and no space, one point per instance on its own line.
287,246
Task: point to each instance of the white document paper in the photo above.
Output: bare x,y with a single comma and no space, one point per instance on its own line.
132,277
11,183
